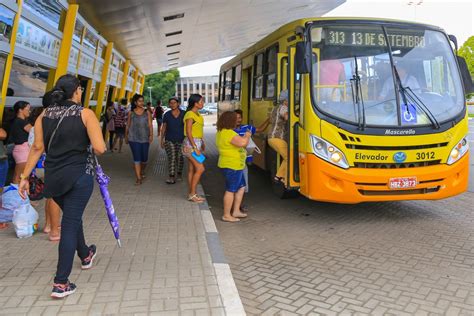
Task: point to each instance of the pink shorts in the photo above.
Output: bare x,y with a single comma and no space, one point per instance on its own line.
20,153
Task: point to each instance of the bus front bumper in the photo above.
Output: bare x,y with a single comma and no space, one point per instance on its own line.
329,183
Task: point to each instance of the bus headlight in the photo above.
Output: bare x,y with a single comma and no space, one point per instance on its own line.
328,152
458,151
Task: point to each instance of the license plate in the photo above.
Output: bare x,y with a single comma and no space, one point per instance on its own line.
402,183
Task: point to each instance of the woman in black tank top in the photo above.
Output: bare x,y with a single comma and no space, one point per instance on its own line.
68,133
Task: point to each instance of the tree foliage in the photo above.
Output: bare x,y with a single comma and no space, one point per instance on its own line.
163,86
467,51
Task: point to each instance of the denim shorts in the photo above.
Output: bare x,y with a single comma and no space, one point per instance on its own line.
234,179
139,152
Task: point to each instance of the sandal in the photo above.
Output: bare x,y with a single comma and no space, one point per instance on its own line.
138,182
196,198
54,238
234,220
278,179
170,181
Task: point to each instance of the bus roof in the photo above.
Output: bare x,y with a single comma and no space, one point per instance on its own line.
290,27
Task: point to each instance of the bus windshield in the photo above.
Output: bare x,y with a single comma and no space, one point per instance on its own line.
354,80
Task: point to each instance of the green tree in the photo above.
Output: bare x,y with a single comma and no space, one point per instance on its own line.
163,86
467,51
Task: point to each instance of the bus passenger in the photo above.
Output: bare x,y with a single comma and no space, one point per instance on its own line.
331,75
51,208
172,136
120,122
241,130
158,114
139,135
406,79
279,134
232,157
19,133
194,142
67,131
3,166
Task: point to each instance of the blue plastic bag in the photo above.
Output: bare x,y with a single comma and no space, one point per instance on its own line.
11,199
6,216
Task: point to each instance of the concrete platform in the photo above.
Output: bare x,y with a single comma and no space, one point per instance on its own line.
171,262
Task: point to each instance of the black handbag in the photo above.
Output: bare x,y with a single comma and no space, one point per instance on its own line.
36,188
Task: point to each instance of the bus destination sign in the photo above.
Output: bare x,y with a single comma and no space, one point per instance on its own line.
345,37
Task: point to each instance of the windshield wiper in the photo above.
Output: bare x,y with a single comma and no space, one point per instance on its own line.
408,95
357,98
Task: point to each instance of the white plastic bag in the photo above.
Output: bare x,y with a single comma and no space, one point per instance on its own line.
251,147
25,221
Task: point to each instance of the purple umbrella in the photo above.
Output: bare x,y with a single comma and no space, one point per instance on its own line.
103,181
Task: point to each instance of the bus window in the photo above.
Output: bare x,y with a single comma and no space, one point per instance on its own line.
284,70
222,87
258,77
270,72
236,82
228,85
297,93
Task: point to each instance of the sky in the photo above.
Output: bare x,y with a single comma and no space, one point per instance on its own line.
455,17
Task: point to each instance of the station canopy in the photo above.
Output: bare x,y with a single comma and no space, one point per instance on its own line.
162,34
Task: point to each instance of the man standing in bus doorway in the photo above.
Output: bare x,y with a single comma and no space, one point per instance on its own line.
279,134
241,130
331,75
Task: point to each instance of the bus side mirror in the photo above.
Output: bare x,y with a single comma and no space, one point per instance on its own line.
466,76
453,39
303,57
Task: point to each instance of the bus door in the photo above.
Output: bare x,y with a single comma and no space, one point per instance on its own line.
294,127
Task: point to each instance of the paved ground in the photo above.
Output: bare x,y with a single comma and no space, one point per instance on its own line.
302,257
163,268
471,146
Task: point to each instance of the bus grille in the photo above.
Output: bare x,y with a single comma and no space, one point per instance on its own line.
378,148
400,192
367,165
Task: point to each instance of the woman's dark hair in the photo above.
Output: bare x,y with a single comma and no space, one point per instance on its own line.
193,99
34,115
48,99
111,103
228,120
158,102
124,101
19,105
65,88
135,99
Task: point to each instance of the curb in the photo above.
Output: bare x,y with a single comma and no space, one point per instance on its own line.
225,281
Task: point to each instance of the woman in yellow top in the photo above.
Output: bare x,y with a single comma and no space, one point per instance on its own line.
193,142
232,155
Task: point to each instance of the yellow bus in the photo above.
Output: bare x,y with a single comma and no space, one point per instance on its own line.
377,108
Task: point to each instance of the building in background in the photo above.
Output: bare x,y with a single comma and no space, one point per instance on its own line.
42,40
207,86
